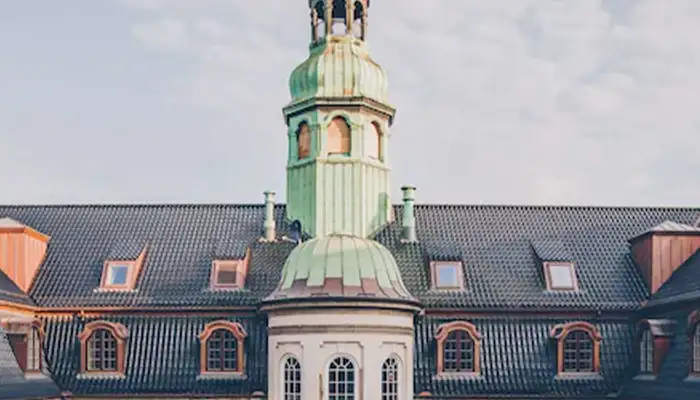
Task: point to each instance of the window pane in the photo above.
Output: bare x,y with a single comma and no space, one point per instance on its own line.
33,351
696,349
117,274
303,141
222,351
458,352
578,352
372,138
226,277
646,353
561,277
102,351
447,276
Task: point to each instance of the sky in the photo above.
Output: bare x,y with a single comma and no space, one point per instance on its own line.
499,101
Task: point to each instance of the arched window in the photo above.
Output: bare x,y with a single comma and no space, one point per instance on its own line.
458,348
103,347
221,347
646,353
303,141
33,350
339,137
578,352
358,21
578,348
291,385
390,379
320,28
341,379
373,142
695,345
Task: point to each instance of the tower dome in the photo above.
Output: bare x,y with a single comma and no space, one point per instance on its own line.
341,267
340,66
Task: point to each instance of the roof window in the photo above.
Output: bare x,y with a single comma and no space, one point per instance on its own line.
447,275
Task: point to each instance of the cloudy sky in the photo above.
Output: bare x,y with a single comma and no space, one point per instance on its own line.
499,101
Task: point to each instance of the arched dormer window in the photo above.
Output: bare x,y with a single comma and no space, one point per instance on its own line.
373,142
578,348
338,137
25,338
303,141
291,384
102,345
459,347
221,348
694,336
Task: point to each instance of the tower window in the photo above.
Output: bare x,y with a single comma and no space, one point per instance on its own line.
358,21
292,379
373,142
303,141
320,21
339,137
341,379
390,379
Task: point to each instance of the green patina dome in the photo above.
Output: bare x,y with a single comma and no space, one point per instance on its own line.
339,67
341,266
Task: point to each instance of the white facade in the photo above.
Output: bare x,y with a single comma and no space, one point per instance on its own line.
320,339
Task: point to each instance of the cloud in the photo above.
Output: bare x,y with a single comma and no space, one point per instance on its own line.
499,101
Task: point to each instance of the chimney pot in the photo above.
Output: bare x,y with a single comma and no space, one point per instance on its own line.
269,224
408,225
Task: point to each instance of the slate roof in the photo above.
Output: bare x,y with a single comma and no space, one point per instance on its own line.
519,357
683,285
13,383
494,243
11,292
162,356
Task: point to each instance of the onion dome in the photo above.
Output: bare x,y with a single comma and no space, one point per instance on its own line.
339,67
341,266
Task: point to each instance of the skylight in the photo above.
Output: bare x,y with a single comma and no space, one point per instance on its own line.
117,274
560,276
447,275
228,274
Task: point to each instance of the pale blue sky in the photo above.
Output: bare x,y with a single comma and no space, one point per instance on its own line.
499,101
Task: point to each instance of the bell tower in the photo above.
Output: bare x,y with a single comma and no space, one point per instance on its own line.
338,175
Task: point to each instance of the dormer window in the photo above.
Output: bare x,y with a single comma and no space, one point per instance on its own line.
578,348
228,274
560,276
447,275
121,272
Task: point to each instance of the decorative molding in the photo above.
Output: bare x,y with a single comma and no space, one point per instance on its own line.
443,332
312,329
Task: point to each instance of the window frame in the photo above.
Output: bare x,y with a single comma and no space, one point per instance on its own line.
548,276
120,335
395,393
238,332
641,339
106,275
35,336
342,138
561,332
442,333
356,392
308,140
285,395
236,266
436,265
694,343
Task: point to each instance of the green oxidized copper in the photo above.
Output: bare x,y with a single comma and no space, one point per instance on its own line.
341,266
339,193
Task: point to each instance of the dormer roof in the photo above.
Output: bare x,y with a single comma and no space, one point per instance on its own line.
668,227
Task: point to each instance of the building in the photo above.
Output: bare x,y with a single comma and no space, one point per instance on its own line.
341,293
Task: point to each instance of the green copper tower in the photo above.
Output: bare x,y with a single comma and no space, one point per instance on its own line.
338,175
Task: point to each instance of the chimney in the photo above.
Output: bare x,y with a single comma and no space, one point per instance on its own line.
269,216
408,225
